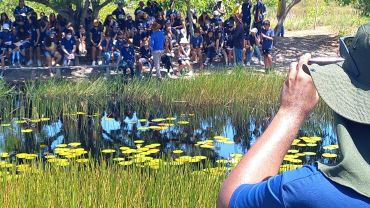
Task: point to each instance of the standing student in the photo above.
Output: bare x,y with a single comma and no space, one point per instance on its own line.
238,40
259,11
157,40
267,35
35,41
196,45
246,12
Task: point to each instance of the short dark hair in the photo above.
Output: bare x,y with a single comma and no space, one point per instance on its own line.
266,22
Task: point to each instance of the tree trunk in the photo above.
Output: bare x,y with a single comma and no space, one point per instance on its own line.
190,17
283,12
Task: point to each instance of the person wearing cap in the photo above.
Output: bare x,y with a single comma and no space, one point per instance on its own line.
252,44
184,56
219,7
345,88
157,40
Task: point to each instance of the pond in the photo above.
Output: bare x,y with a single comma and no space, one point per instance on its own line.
218,134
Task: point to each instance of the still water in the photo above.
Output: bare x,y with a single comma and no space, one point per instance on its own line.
114,127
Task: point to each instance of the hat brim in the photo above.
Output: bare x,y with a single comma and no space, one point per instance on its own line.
341,92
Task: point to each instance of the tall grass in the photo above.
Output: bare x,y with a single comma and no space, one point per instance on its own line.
110,185
341,20
240,91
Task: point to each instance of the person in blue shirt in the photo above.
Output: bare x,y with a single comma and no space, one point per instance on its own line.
35,41
68,46
128,59
259,12
157,40
22,10
7,37
196,45
172,10
109,51
246,12
238,40
96,34
120,14
145,56
21,44
267,35
4,19
344,87
252,44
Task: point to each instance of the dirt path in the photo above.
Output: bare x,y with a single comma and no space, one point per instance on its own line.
319,42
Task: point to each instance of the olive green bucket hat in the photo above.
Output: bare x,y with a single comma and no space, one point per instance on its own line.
345,86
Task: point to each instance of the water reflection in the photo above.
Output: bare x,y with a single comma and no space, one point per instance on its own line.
117,127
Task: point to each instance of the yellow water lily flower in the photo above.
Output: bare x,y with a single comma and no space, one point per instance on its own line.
207,146
108,151
191,114
21,155
20,122
129,151
331,147
222,161
156,120
229,142
45,119
302,145
50,156
156,128
310,153
177,151
26,130
170,118
200,157
4,155
183,122
5,125
143,120
74,144
80,113
125,163
293,151
139,141
311,145
124,148
142,128
62,145
236,155
329,155
315,138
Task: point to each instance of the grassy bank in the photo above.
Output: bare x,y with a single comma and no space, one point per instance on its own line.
110,185
240,91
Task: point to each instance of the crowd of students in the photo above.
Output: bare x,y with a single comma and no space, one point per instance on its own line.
152,37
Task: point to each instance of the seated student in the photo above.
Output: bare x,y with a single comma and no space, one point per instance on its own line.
168,54
35,41
228,46
68,45
108,50
4,19
210,48
18,49
96,37
51,49
184,56
81,39
145,56
196,45
2,57
7,37
252,44
128,59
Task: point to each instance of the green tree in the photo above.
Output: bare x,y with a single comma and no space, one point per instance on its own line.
362,5
283,9
75,11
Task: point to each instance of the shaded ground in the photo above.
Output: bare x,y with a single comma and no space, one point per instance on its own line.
319,42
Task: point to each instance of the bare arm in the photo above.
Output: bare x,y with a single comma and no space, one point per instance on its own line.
263,160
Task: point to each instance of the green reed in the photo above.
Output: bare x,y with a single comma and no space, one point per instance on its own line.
105,184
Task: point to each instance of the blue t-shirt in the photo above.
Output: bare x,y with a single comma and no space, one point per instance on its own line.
68,44
304,187
267,44
107,45
196,42
22,10
96,34
128,54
